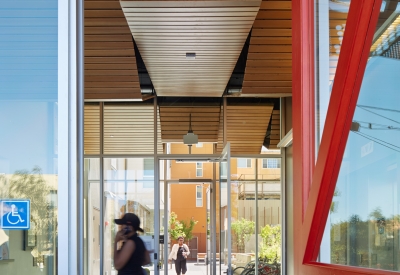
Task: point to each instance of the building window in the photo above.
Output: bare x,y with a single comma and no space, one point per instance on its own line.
148,167
243,163
199,169
199,196
199,145
271,163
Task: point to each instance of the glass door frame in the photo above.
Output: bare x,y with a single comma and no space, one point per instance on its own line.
224,158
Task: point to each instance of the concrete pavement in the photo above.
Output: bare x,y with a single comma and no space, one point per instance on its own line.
193,268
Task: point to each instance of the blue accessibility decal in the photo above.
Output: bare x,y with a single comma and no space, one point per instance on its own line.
15,214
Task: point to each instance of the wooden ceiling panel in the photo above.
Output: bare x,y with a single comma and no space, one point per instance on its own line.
269,60
110,63
246,127
165,31
175,122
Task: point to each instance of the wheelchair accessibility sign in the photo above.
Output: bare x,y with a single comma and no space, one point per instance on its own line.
15,214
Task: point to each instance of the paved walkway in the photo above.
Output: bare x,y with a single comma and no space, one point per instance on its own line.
193,269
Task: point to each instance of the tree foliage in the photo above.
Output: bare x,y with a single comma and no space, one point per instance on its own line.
31,185
243,230
179,228
187,228
270,250
175,227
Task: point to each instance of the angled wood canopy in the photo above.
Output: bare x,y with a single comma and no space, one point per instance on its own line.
215,31
110,63
246,127
175,122
269,60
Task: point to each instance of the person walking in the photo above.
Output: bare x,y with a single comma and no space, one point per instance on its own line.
133,254
179,253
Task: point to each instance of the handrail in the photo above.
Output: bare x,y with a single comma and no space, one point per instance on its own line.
269,177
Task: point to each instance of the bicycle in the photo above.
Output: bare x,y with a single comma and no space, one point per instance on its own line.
263,268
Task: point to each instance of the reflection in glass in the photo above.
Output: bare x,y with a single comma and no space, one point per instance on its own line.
93,199
28,138
127,189
331,17
256,212
363,227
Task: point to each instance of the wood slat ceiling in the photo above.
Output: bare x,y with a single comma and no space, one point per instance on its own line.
129,129
269,60
166,30
175,122
246,128
110,63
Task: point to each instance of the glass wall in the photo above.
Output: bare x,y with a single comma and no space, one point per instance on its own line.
363,226
128,187
127,184
28,139
256,212
92,235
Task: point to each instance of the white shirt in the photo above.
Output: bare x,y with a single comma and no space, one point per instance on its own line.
174,251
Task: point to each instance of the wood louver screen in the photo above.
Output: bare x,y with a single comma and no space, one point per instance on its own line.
92,129
246,127
275,136
175,122
110,63
269,60
165,31
129,129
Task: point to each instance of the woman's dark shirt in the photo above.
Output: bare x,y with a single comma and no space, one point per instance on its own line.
179,255
134,264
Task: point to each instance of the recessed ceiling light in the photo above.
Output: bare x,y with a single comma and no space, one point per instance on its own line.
190,55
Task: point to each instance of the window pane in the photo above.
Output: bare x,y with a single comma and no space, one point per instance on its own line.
243,163
126,190
271,163
362,229
148,167
199,192
330,22
199,172
248,163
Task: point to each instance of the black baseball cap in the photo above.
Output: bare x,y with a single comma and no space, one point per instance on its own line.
130,219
